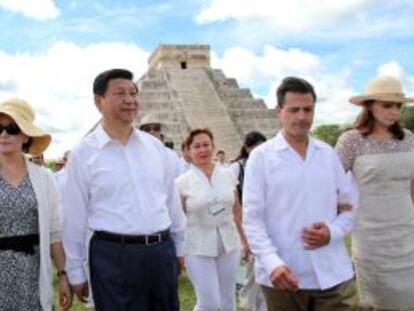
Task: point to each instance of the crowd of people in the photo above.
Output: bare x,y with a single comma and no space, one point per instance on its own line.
124,215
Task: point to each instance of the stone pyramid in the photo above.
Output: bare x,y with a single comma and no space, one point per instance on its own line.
184,92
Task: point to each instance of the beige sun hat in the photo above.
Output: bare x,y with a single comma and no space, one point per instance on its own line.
383,88
23,115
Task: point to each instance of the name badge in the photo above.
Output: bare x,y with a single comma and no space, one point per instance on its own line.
216,209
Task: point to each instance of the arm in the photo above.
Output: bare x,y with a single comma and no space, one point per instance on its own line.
254,214
65,293
238,220
75,203
175,209
56,246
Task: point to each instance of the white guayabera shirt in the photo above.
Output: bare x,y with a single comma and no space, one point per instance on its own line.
284,194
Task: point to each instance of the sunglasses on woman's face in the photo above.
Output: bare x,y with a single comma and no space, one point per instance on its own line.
11,129
389,105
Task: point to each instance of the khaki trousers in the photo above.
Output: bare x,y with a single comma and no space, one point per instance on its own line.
342,297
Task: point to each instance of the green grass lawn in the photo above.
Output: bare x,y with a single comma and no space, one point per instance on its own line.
186,293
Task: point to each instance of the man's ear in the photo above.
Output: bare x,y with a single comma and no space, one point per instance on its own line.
277,111
98,102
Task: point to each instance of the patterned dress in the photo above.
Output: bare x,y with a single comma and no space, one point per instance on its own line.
19,272
383,239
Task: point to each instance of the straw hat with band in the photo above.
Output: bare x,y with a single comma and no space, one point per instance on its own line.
383,88
23,116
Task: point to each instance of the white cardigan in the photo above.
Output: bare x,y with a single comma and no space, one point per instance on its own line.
50,227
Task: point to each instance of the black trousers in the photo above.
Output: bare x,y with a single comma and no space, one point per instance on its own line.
134,277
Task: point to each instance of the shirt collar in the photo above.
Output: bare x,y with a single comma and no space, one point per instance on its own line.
102,137
280,143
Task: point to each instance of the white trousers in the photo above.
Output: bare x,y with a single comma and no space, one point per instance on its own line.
214,281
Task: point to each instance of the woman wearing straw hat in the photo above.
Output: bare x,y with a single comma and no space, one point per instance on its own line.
380,155
30,222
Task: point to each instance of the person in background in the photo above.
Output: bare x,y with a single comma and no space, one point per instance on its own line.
251,298
210,201
380,155
30,216
221,158
185,156
293,185
152,125
119,185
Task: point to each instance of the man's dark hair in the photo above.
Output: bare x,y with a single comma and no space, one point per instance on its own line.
294,85
100,85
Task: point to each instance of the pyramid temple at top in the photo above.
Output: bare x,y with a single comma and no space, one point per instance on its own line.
182,90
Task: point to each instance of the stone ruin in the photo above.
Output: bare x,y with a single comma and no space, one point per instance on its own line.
183,91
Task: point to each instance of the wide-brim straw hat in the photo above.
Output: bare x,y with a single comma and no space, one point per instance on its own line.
383,88
21,112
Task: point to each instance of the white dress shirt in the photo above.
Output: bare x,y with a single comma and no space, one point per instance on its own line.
209,210
124,189
175,162
284,194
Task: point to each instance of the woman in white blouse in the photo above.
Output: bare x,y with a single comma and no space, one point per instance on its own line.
213,214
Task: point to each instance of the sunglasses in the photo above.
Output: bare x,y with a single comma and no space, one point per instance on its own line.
11,129
389,105
151,128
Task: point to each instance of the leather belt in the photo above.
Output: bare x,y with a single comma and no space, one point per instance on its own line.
148,239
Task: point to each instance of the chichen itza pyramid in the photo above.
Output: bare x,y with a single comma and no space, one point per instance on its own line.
183,91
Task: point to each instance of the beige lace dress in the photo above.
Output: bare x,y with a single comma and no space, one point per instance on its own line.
383,238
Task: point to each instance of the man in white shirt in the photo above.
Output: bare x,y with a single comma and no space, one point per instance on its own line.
294,186
152,125
119,186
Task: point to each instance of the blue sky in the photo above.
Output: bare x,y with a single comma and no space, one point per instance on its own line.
50,51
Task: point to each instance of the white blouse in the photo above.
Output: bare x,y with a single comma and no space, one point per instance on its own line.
209,210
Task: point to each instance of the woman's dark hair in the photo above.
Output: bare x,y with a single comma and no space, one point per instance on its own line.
250,140
365,121
196,132
26,145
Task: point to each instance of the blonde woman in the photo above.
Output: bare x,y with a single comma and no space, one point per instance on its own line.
380,154
30,221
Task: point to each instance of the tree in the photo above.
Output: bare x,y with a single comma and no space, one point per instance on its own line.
328,133
407,117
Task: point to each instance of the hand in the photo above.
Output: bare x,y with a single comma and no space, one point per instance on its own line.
284,279
81,291
181,263
316,236
65,293
246,252
344,207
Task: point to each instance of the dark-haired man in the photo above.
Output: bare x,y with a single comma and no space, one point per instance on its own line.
119,186
294,186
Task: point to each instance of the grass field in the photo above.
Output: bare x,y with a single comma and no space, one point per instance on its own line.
186,293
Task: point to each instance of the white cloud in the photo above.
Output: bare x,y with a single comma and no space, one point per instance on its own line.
273,62
296,15
58,84
393,68
267,69
37,9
